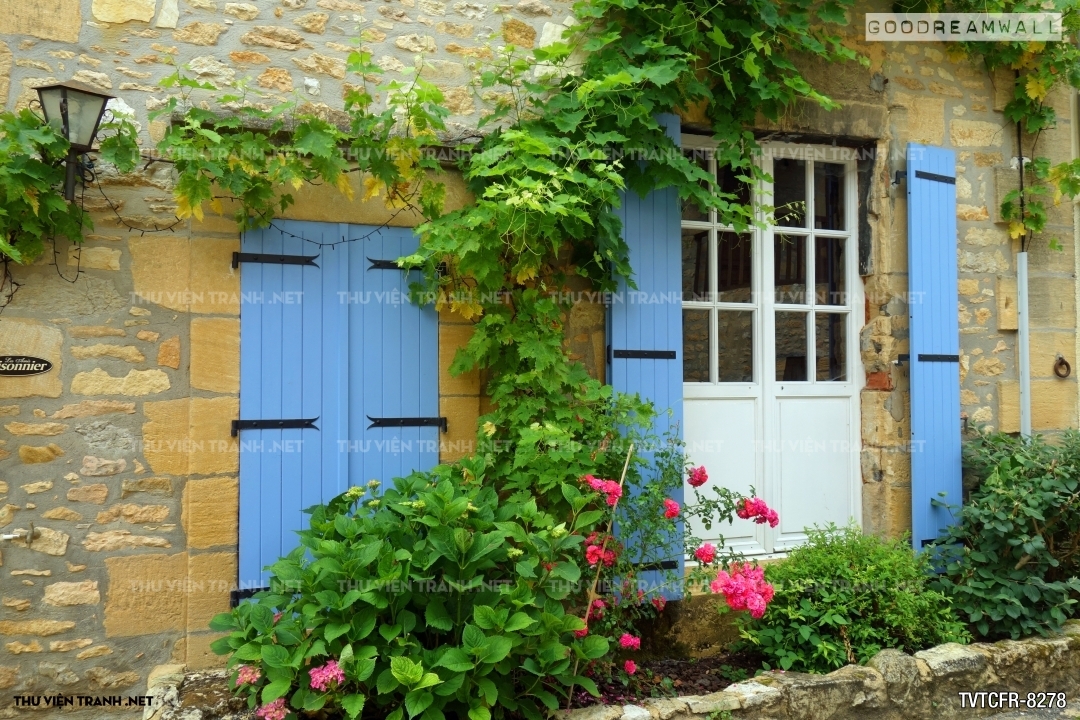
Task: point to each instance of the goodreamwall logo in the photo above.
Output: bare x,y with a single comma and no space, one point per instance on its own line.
960,27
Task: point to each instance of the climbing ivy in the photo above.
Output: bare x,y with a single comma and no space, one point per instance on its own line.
572,126
1039,68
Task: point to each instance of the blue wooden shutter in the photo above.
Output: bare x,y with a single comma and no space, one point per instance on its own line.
645,324
935,340
338,341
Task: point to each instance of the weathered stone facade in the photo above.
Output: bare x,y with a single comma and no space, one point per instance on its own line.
121,456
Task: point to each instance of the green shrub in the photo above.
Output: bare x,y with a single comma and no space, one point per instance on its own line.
431,597
843,597
1012,560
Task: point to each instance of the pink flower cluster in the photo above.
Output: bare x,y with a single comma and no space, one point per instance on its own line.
608,487
629,642
698,476
247,675
630,667
706,553
757,509
744,588
596,550
671,509
322,677
273,711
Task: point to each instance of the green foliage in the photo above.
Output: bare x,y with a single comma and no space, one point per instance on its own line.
256,156
1012,561
845,596
1040,68
434,596
33,209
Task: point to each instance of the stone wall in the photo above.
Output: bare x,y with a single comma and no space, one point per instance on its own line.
892,686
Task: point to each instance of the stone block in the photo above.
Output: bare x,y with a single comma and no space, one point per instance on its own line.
215,354
145,594
885,418
976,133
42,628
851,692
922,122
48,19
210,578
1005,294
95,494
191,435
132,513
169,353
23,337
91,408
1052,302
323,203
1045,348
46,429
31,454
462,415
150,485
451,338
94,258
1053,404
210,512
186,275
136,383
127,353
198,654
121,11
64,594
112,540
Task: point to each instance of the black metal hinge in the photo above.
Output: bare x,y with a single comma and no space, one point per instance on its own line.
645,354
235,596
935,177
239,257
938,358
439,422
383,265
298,424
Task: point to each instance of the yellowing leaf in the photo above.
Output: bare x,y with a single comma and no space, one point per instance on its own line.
1016,229
215,205
32,198
296,183
1035,87
525,274
344,186
197,211
183,208
372,187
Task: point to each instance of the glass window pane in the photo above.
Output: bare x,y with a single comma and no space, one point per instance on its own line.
828,196
789,192
695,345
789,264
735,338
695,265
829,271
790,346
734,267
690,209
831,354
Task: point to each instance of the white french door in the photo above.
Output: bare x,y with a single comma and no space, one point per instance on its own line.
770,344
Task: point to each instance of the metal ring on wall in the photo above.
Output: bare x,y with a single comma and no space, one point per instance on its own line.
1062,363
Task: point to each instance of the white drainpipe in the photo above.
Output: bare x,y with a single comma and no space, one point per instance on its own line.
1022,340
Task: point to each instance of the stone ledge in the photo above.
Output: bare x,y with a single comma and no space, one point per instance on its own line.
892,686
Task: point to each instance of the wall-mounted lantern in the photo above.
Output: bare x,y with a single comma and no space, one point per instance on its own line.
75,111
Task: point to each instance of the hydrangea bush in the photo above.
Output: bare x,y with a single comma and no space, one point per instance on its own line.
439,595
